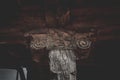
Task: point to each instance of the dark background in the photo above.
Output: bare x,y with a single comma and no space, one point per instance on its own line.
15,18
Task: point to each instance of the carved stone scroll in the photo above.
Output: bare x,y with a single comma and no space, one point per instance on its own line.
61,45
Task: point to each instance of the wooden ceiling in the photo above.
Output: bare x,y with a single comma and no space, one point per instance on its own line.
20,16
100,16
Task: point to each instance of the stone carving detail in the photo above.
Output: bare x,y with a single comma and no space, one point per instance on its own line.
83,43
57,39
61,45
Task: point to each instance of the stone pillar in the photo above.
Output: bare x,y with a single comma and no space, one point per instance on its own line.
63,63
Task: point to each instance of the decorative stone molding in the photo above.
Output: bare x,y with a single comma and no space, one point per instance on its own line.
60,39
